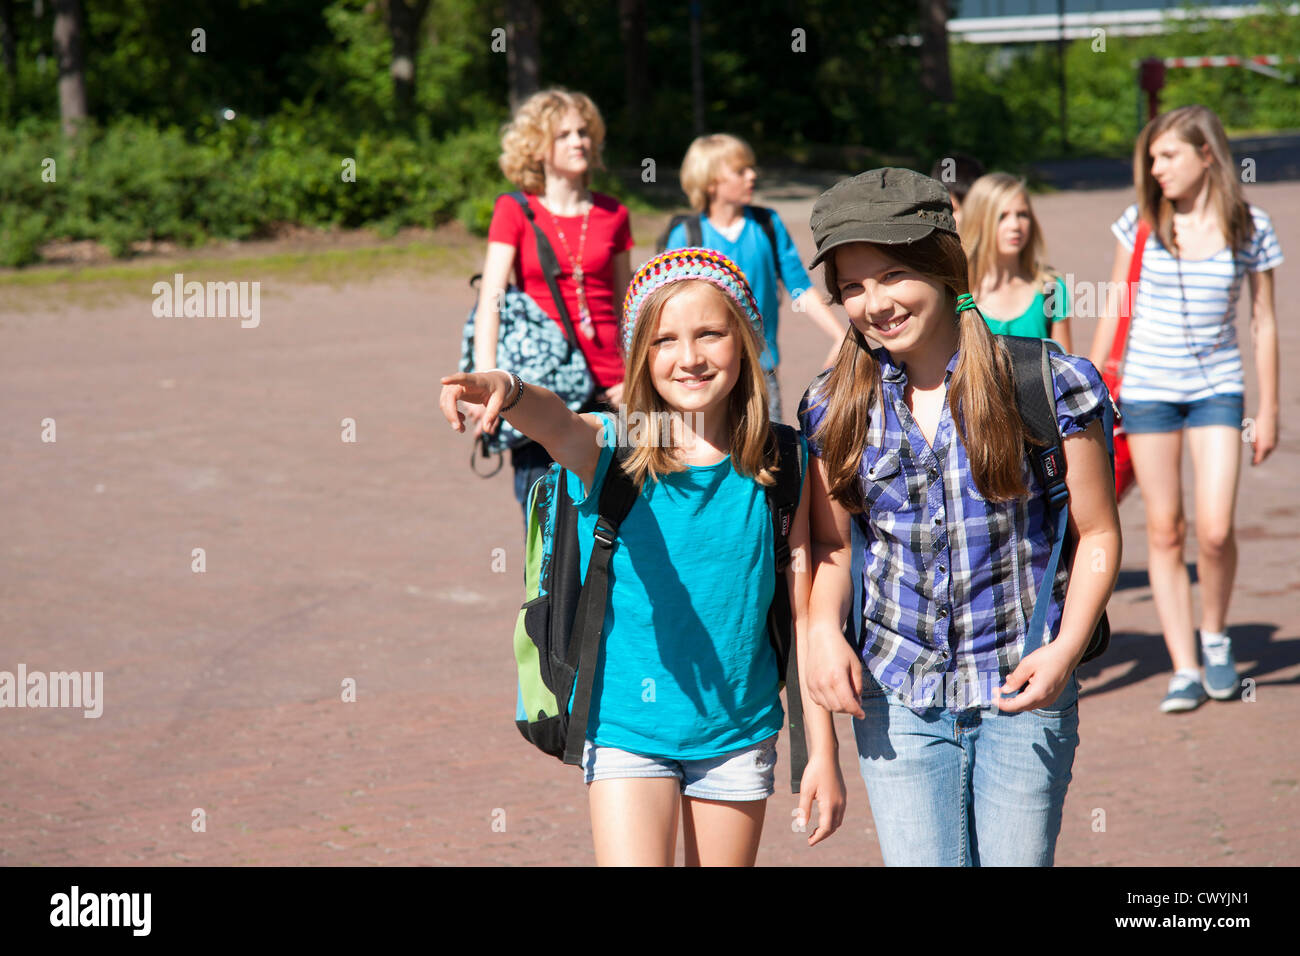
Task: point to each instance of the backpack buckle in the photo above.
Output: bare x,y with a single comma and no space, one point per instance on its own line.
604,533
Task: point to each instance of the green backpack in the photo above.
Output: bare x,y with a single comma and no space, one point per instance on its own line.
558,631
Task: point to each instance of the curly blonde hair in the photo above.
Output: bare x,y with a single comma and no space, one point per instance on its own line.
529,135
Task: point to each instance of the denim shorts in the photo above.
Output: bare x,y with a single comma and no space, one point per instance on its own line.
1141,418
977,787
745,774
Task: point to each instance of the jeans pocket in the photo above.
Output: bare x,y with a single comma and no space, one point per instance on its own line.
870,686
1066,701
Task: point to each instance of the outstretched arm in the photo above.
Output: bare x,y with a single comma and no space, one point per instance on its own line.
817,310
570,438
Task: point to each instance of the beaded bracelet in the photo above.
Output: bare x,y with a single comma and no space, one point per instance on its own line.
519,393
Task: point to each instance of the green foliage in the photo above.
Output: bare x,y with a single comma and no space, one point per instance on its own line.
311,88
132,181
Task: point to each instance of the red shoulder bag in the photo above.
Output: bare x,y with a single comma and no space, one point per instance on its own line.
1114,365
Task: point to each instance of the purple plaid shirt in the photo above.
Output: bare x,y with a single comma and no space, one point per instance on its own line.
949,578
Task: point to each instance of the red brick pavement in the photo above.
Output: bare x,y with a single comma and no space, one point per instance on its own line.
373,561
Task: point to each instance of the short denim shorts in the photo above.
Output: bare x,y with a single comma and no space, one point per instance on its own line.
745,774
1141,418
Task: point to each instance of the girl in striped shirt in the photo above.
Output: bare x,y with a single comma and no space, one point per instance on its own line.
1183,373
966,738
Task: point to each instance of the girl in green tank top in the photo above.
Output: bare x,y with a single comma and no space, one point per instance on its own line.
1015,291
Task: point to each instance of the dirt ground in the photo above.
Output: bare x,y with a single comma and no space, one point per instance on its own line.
377,562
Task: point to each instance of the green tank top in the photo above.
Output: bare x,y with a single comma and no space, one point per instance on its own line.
1035,321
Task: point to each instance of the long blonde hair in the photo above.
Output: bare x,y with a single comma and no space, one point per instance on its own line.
979,230
751,452
1198,126
529,135
981,394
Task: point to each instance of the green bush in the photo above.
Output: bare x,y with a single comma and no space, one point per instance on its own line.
132,181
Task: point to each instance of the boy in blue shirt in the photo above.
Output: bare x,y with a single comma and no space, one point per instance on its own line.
718,177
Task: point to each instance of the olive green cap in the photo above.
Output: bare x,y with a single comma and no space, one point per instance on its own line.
887,206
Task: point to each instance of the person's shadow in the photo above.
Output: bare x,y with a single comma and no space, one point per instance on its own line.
675,619
1254,646
1257,650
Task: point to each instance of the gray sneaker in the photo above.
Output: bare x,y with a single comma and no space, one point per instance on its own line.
1185,693
1221,681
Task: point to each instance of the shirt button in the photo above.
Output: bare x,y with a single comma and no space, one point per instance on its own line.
943,612
942,569
938,520
934,472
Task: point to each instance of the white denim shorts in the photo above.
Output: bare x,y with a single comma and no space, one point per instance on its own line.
745,774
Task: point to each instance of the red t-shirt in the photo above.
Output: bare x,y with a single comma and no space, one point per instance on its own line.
608,234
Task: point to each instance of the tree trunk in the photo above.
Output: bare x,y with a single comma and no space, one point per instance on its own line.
523,49
72,72
404,20
935,76
631,22
7,39
697,72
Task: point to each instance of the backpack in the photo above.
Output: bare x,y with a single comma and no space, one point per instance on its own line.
1036,401
558,630
529,341
695,232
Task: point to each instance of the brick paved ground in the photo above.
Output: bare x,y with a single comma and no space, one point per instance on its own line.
374,561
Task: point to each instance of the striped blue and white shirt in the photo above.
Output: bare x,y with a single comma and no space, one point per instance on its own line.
1182,343
950,578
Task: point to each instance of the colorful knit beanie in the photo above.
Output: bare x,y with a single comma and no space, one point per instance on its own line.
677,265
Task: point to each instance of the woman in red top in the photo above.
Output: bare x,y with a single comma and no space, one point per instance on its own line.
548,150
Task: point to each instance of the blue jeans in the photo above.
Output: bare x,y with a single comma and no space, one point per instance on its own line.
974,788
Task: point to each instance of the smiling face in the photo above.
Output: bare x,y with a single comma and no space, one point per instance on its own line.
1178,166
1015,227
695,354
886,301
570,146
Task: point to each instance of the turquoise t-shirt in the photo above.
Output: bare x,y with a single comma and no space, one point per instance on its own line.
1036,321
686,670
753,253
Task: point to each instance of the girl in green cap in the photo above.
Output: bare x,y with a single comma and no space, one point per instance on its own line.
966,733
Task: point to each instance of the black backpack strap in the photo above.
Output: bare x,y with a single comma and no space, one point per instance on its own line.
550,268
617,496
1035,399
694,231
763,216
782,503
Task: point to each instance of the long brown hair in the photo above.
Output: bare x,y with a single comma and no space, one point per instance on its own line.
981,394
653,455
1198,126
